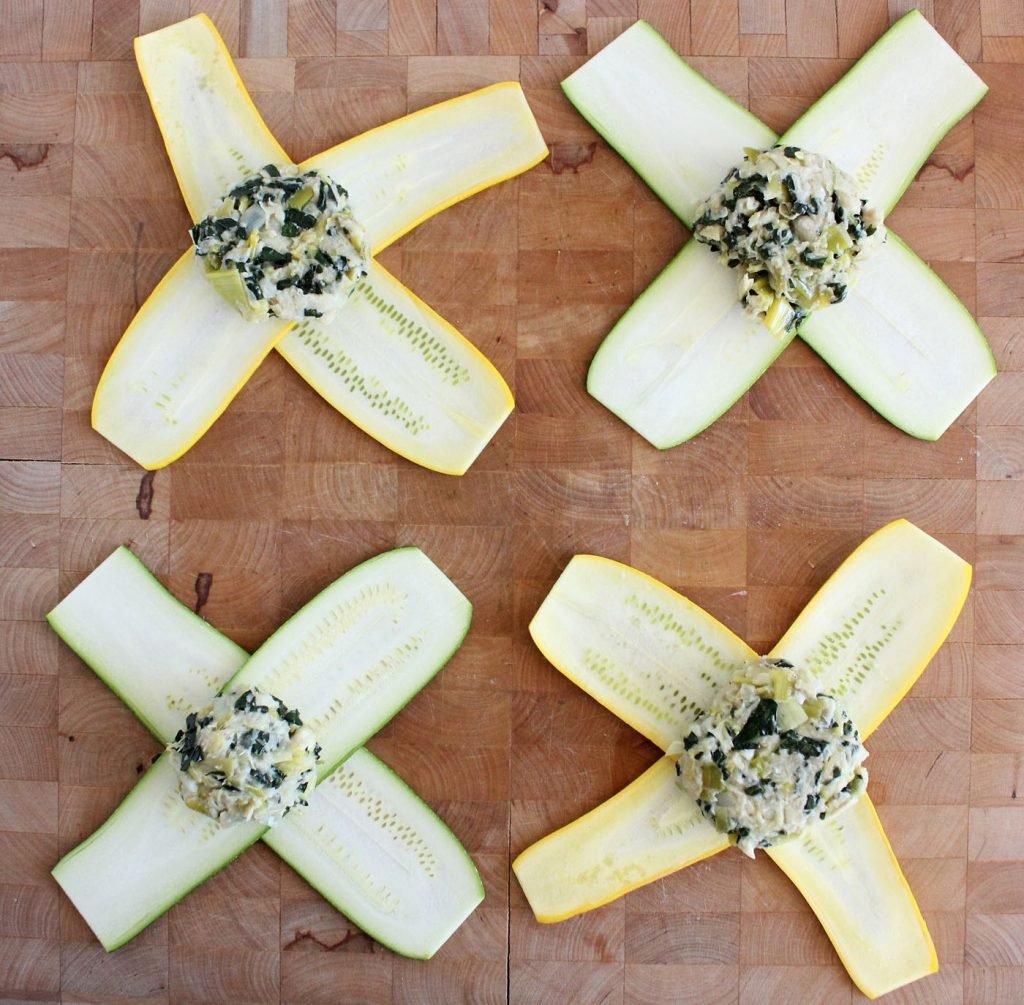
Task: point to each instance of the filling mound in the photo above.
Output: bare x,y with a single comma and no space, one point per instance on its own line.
246,756
283,244
794,225
771,756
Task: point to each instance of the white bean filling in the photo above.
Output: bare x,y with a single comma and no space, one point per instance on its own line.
283,244
246,756
793,224
771,756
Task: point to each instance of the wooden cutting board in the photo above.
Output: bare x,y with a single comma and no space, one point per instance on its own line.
283,494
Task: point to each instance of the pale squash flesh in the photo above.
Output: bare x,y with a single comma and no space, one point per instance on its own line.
400,372
645,831
875,624
680,356
848,874
867,635
365,842
185,356
649,655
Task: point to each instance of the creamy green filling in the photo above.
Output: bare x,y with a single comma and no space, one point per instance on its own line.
794,225
245,756
771,756
283,244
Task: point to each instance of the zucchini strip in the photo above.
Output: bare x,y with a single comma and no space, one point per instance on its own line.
645,652
149,853
848,874
926,89
647,830
687,135
902,340
187,354
683,353
382,857
162,660
904,343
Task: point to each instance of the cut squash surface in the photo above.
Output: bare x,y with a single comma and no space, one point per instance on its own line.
904,343
642,833
684,353
188,352
403,173
629,641
400,372
366,842
875,624
881,120
848,874
649,655
184,357
119,611
148,855
901,340
356,653
673,126
213,132
381,857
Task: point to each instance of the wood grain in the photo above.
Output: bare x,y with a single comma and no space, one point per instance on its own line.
283,494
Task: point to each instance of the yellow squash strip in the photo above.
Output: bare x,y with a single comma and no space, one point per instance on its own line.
644,832
646,653
187,352
848,874
374,359
212,131
875,624
185,356
405,172
892,602
866,635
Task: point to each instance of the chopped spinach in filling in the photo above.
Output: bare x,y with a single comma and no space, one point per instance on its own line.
771,756
794,225
283,244
246,756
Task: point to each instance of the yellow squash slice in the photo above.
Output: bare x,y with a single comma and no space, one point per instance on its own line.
391,365
655,659
646,831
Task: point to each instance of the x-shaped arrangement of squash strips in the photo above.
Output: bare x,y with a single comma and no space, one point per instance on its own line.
901,339
396,615
386,361
656,660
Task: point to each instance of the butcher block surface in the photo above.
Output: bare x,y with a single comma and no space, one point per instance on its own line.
283,495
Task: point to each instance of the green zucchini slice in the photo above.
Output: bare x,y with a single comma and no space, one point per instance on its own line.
674,127
187,353
684,353
904,343
653,658
366,842
914,354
